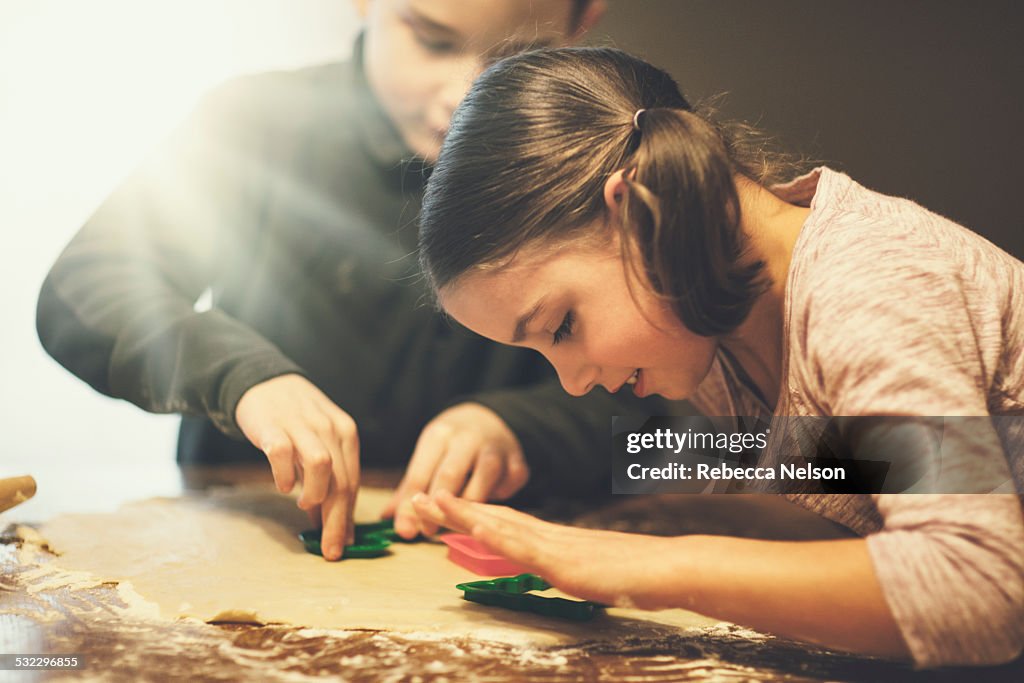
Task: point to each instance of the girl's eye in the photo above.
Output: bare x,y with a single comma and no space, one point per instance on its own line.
565,329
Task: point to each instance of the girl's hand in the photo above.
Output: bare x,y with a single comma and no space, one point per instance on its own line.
788,588
309,439
467,450
627,570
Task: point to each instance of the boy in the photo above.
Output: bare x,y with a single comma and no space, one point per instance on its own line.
293,198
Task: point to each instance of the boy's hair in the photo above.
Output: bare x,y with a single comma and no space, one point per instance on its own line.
525,162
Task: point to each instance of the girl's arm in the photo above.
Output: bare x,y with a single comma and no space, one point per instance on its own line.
823,592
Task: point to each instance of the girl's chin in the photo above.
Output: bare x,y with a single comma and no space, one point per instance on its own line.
672,393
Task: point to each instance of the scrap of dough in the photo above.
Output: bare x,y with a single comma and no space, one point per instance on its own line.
233,555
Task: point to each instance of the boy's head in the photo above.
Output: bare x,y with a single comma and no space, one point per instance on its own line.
421,56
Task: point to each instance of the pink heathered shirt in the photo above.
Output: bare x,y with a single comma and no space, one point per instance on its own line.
893,310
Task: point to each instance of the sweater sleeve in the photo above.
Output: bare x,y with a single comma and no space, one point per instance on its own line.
117,307
951,567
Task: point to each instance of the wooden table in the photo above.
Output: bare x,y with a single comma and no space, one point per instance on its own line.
86,622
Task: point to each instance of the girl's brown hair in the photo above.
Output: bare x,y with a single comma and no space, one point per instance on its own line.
527,156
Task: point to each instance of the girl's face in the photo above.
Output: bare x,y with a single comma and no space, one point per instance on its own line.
576,307
422,55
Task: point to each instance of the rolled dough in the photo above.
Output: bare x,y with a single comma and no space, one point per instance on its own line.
233,555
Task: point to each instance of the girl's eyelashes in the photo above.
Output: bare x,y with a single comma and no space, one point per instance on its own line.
565,329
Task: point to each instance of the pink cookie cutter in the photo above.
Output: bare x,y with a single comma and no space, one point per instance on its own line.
470,553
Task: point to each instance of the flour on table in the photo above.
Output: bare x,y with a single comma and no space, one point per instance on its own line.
233,555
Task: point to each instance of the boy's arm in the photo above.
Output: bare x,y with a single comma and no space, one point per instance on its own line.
117,307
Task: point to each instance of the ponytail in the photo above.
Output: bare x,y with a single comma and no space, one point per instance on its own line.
682,218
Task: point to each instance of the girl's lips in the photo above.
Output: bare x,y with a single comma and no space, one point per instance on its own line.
638,388
631,380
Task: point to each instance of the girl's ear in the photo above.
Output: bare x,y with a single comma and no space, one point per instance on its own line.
614,190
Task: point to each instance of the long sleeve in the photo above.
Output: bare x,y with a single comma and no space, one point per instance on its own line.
117,308
950,566
952,570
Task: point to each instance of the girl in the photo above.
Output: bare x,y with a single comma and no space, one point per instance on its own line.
581,209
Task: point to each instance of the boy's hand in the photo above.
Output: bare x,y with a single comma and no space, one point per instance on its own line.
309,439
467,450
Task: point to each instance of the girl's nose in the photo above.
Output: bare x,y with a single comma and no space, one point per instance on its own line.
576,379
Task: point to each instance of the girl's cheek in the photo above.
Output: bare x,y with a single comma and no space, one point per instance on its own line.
614,349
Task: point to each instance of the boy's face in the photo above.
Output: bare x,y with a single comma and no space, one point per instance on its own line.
422,55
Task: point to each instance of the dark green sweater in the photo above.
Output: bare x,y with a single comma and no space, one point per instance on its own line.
291,197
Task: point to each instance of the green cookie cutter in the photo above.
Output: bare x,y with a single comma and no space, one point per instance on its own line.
372,540
513,592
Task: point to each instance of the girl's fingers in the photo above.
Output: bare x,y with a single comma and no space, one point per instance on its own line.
547,530
512,515
514,541
504,512
457,514
517,535
464,515
427,509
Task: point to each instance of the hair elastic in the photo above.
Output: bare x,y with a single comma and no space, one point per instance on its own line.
636,119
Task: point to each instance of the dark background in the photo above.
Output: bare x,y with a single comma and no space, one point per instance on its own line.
915,98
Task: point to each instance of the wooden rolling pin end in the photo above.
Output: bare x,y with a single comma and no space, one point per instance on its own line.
16,490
